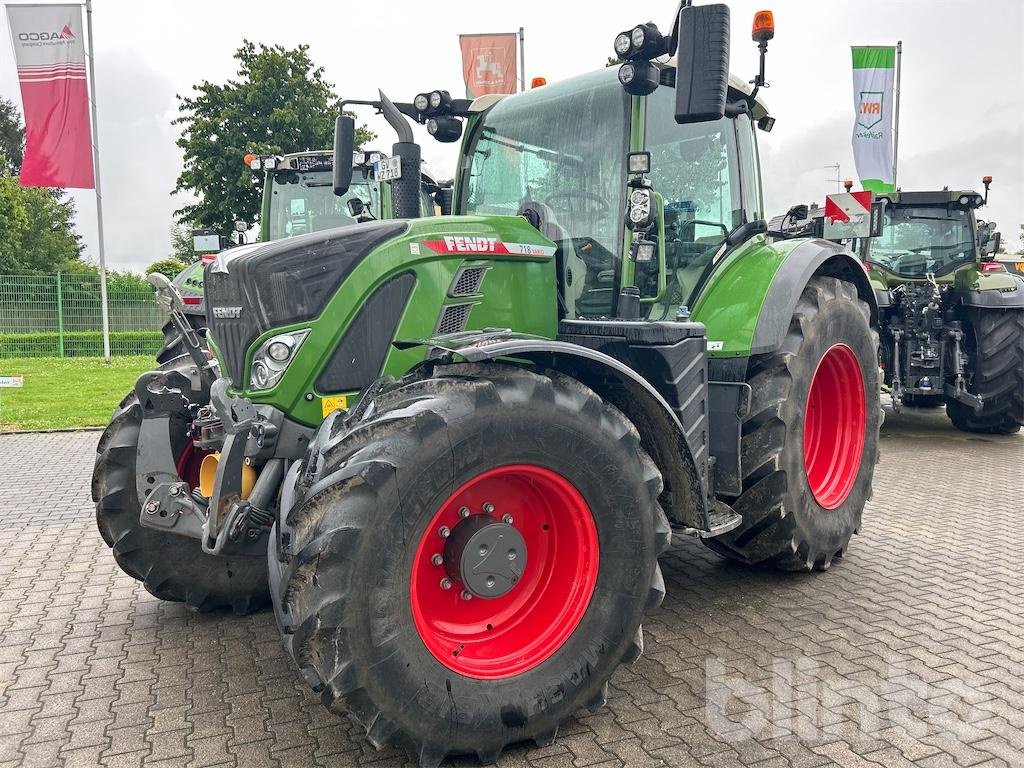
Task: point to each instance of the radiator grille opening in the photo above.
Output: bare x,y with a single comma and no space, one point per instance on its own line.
467,281
453,318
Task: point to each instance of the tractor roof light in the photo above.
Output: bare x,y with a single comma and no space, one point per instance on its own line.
537,82
644,41
764,27
639,78
445,129
248,160
421,102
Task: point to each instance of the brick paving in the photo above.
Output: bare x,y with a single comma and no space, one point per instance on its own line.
909,651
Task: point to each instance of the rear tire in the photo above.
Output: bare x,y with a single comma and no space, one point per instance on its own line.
995,345
358,596
170,566
789,520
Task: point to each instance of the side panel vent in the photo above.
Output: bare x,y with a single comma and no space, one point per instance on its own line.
453,318
467,282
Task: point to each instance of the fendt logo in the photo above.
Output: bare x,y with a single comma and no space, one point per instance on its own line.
467,244
46,37
227,313
871,106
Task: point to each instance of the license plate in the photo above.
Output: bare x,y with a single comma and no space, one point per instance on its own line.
388,169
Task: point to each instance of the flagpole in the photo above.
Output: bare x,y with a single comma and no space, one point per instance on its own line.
522,63
896,127
99,194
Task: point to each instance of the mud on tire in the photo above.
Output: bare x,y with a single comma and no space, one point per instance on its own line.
171,567
783,523
995,344
365,498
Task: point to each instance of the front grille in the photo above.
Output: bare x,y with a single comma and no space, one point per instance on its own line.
453,318
467,282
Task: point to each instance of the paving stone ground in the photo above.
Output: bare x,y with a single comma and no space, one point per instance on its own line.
909,651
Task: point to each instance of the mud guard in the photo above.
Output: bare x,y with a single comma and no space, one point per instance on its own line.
686,496
813,257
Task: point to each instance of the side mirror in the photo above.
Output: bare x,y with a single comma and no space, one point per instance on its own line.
355,207
344,145
702,63
992,246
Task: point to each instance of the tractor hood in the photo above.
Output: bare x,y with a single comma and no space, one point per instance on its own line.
252,289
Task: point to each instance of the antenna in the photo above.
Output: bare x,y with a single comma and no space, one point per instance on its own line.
838,179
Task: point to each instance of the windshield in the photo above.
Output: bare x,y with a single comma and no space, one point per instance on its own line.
916,241
304,201
563,146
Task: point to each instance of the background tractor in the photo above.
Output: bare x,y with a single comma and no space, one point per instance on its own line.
952,317
456,446
298,198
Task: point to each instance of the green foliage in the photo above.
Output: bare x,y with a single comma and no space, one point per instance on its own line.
181,244
36,234
79,344
167,267
12,137
279,103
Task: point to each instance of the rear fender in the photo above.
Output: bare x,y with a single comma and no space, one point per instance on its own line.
685,497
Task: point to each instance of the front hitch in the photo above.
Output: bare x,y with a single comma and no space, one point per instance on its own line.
169,299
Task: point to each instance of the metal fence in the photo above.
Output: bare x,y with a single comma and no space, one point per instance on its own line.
60,316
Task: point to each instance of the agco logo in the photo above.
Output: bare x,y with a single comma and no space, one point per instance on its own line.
46,37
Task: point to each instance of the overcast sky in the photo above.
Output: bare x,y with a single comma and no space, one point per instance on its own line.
961,113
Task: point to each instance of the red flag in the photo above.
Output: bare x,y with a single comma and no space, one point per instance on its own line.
489,63
49,50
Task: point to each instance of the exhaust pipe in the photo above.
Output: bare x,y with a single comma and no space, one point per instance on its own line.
405,191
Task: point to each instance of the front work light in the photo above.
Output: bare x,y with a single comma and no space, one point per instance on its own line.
421,102
445,129
644,41
641,209
639,78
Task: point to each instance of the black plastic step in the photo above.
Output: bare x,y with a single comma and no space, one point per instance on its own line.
632,331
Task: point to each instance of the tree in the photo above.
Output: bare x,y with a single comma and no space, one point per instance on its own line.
12,136
166,267
279,103
181,244
36,234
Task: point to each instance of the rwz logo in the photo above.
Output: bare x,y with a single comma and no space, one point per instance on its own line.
870,108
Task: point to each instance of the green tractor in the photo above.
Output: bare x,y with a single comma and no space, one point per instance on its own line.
298,198
450,450
952,317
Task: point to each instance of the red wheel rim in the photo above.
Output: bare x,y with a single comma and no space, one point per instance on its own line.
489,638
189,461
834,426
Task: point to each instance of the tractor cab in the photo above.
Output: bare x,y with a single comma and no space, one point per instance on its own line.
299,196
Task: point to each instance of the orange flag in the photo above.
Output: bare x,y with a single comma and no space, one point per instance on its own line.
489,63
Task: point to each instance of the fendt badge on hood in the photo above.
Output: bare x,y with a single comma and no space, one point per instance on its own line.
227,313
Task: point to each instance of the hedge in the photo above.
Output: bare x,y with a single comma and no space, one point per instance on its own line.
79,344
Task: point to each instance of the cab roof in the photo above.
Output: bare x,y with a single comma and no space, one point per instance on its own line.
937,197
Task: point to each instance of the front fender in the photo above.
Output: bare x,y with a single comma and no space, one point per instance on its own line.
662,435
748,302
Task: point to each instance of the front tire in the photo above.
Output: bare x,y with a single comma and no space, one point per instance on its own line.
810,440
173,345
995,346
371,608
170,566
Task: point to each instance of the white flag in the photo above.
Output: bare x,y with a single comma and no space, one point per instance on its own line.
873,76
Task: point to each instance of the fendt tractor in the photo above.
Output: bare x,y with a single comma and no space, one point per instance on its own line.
298,198
951,316
461,443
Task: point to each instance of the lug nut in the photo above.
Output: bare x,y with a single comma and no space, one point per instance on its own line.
488,507
175,490
446,583
437,559
512,554
507,519
466,595
464,512
152,507
444,533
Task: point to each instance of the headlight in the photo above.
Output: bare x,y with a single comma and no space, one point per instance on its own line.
435,99
421,102
626,73
622,43
639,214
637,37
273,357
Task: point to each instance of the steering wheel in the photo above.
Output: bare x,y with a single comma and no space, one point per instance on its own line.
602,207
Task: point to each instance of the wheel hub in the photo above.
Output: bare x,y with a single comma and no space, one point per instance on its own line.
485,555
